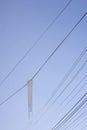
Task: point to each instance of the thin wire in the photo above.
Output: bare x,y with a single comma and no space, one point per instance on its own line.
84,51
71,112
76,94
83,97
47,59
80,123
59,45
35,43
61,92
64,89
74,89
77,118
67,75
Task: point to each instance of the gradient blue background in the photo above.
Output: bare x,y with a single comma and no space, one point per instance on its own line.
21,23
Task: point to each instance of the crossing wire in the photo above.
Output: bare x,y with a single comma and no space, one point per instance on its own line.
50,56
77,117
67,75
75,89
80,123
71,112
64,89
35,43
76,94
73,78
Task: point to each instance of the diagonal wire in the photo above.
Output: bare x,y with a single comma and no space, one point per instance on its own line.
82,98
74,89
71,112
50,56
67,75
76,94
84,64
35,43
55,50
64,89
80,122
84,51
77,118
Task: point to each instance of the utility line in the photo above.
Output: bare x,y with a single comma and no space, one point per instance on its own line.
77,118
74,89
35,43
80,123
71,115
64,89
59,45
71,112
55,50
67,75
76,94
73,78
84,51
82,98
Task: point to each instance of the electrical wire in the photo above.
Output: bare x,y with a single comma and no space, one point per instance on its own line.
76,94
73,78
84,51
35,43
66,76
64,89
82,98
74,89
55,50
77,118
80,123
71,112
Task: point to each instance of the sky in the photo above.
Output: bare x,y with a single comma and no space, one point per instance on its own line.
21,23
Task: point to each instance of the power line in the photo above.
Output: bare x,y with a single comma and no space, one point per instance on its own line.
74,89
70,116
84,51
82,98
77,118
62,91
76,94
71,112
50,56
67,75
35,43
70,81
80,123
59,45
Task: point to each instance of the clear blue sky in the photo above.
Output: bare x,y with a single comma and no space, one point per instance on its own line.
21,23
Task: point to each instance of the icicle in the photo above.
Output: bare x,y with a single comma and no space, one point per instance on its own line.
29,97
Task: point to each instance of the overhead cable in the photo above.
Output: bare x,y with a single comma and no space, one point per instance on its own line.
67,97
71,112
50,56
35,43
